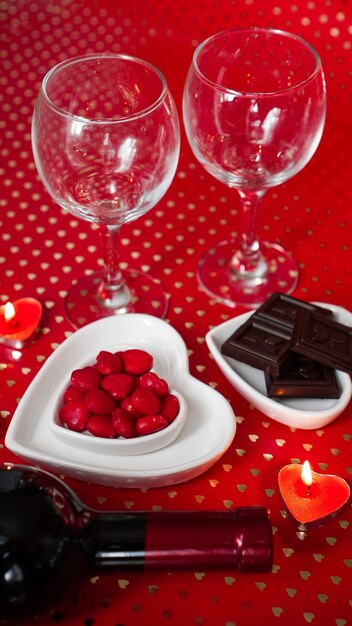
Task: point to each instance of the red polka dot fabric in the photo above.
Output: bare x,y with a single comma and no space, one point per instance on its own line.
43,250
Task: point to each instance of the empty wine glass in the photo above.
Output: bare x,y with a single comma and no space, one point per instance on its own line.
105,138
254,111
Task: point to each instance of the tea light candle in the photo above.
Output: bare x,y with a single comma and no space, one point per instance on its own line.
312,499
19,321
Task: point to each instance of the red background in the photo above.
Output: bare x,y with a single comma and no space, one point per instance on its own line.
43,250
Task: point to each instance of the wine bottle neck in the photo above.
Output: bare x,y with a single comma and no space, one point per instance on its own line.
238,539
115,541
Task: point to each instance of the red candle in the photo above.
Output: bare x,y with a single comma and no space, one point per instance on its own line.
19,321
312,499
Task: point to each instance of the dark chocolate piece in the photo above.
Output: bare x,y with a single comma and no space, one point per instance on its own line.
259,345
303,378
323,339
280,309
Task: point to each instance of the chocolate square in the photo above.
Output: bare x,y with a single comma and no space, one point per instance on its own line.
259,345
303,378
323,339
281,310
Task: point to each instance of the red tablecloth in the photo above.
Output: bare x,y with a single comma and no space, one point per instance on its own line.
43,251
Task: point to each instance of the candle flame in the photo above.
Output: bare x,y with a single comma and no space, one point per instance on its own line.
306,474
9,311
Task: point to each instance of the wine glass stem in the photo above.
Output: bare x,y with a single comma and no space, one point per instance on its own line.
112,292
248,261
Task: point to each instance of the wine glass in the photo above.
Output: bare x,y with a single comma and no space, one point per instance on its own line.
106,140
254,111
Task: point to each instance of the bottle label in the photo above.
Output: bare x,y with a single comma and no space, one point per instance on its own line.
188,539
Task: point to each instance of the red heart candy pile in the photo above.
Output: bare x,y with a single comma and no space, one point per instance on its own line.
118,396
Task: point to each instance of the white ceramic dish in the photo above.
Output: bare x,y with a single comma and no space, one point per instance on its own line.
305,413
207,433
121,446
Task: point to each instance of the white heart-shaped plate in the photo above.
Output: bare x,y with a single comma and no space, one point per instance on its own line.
208,431
305,413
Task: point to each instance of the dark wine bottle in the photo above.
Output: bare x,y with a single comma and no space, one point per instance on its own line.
49,541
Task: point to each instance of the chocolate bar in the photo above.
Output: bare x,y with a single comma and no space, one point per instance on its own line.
296,344
280,309
257,344
303,378
264,340
323,339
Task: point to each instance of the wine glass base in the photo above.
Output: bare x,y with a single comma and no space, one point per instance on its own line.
216,279
82,303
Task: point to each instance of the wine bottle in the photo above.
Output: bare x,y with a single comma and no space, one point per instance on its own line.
49,541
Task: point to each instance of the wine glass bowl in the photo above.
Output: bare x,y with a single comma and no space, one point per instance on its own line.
105,138
254,110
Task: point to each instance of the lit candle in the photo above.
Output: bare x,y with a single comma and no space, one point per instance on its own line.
9,313
307,476
312,499
19,321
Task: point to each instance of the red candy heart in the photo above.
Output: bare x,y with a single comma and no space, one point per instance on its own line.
118,385
86,378
108,363
136,361
101,426
75,415
170,407
123,423
315,505
149,424
98,401
152,381
145,401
